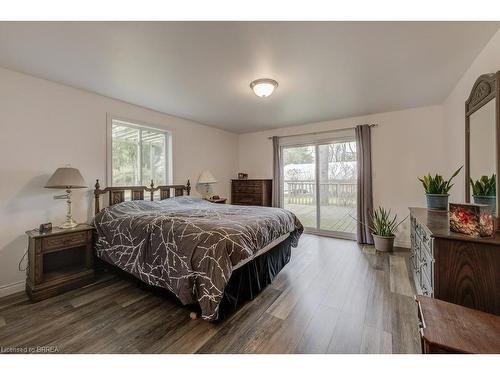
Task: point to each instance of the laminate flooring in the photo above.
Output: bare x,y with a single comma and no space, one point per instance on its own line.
333,297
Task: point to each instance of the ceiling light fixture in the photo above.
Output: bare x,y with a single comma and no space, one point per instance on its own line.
263,87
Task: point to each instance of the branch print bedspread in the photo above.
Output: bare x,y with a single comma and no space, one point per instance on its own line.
187,245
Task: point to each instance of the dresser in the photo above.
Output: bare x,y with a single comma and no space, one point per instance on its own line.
454,267
252,192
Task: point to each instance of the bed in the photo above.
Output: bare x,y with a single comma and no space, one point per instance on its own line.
213,255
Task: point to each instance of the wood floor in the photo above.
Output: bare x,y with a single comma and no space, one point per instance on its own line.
333,297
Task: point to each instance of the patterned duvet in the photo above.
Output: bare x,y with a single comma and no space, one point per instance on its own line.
187,245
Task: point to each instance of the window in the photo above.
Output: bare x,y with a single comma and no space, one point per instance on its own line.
138,155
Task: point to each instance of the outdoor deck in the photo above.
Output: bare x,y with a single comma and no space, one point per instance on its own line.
333,217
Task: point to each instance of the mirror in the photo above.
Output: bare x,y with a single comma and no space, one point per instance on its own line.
482,161
481,120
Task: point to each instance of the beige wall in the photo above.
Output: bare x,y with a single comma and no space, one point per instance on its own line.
488,61
405,145
45,125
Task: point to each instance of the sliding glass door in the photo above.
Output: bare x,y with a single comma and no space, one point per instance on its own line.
299,183
319,186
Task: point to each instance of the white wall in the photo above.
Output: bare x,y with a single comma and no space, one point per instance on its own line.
488,61
405,145
45,125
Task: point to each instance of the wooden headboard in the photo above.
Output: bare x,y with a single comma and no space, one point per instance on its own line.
117,193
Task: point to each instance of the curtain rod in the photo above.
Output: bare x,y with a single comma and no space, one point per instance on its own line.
322,132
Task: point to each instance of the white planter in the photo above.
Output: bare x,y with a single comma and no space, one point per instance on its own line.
384,244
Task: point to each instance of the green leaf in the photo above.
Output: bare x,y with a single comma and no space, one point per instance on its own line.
437,184
485,186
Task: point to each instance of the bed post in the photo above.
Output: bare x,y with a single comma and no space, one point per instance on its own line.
188,187
152,191
96,197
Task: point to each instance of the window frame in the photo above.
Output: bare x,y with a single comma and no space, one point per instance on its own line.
140,125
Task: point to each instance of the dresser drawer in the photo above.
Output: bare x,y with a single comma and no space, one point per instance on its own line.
427,242
247,199
248,189
415,255
426,247
427,267
427,289
63,241
246,183
421,231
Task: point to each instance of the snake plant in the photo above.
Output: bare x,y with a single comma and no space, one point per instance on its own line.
382,222
485,186
437,184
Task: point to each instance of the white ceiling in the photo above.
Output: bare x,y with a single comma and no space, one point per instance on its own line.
202,70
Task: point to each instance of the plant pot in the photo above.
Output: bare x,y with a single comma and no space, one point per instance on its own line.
489,200
437,202
382,243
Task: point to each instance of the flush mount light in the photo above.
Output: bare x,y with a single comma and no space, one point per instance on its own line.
263,87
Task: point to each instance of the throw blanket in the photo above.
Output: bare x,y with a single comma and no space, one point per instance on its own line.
187,245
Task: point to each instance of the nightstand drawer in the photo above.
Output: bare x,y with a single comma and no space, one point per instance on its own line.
63,241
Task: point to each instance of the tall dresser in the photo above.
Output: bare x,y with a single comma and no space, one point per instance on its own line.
454,267
252,192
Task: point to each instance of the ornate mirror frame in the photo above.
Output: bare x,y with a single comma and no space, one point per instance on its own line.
486,88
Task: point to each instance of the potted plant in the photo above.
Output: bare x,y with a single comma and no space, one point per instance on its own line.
484,191
383,228
436,190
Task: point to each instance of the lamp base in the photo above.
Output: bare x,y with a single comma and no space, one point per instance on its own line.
206,195
68,224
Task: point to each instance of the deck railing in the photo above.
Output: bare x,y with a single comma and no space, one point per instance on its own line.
333,192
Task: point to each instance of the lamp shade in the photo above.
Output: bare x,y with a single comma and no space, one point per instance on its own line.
66,178
206,178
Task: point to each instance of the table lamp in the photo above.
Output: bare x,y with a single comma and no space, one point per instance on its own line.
66,178
206,178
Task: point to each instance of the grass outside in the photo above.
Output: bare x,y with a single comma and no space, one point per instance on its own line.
333,217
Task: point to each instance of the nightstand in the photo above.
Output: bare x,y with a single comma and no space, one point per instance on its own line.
219,200
58,261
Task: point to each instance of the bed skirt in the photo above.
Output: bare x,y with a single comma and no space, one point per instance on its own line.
248,280
244,284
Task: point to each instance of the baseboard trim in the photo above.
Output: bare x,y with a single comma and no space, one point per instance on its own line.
12,288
